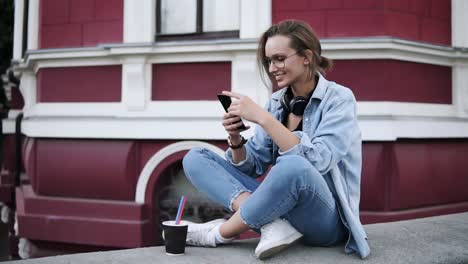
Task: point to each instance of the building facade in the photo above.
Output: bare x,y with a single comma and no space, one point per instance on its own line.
113,93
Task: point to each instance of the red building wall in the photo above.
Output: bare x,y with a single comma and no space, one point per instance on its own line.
392,80
79,23
418,20
80,84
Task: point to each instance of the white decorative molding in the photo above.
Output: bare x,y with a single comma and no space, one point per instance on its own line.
33,25
404,110
391,48
222,50
255,18
159,157
136,84
139,21
384,127
18,30
460,23
393,129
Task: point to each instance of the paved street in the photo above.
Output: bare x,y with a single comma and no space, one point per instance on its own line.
442,239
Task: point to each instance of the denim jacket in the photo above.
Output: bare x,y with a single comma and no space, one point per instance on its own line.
331,140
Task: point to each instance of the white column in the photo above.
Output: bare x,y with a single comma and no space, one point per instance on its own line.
18,30
255,18
33,24
246,79
136,84
460,23
460,89
139,21
459,69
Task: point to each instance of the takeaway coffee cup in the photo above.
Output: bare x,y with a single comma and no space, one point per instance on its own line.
174,237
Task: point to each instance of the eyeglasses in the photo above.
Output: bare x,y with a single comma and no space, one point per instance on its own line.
278,61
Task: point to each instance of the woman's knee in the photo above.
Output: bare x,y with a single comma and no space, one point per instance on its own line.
294,164
192,160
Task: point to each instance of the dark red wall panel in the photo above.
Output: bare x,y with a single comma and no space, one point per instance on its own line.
418,20
392,80
80,23
17,101
375,172
80,84
413,174
190,81
86,168
427,174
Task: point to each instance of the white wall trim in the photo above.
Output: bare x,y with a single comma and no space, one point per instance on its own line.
460,23
159,157
33,25
382,128
213,110
194,51
9,122
18,30
139,21
136,84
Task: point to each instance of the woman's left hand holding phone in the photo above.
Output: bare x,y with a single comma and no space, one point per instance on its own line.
245,107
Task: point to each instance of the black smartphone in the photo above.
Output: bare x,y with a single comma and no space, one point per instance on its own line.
226,102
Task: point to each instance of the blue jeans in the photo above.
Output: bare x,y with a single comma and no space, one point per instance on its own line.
293,189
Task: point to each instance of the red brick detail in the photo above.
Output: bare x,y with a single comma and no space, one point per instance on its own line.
54,12
432,30
418,20
317,20
391,80
356,23
402,25
441,9
397,5
298,5
92,33
81,11
420,7
58,36
363,4
109,9
80,84
85,168
188,81
80,23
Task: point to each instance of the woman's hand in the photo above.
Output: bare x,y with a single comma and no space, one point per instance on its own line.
232,124
244,107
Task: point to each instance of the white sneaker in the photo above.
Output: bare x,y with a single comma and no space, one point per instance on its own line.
200,235
275,237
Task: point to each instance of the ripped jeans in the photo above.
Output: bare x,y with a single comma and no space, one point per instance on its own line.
293,189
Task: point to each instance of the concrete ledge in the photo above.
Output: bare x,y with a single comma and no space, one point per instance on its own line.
441,239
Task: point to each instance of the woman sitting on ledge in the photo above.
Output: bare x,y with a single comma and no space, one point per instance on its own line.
309,133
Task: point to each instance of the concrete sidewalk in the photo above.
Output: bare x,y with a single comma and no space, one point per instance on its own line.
442,239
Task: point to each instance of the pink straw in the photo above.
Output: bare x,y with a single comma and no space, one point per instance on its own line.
180,211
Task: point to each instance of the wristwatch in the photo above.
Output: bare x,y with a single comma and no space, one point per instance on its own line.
242,143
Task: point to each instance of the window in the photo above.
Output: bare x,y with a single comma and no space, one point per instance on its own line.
197,19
